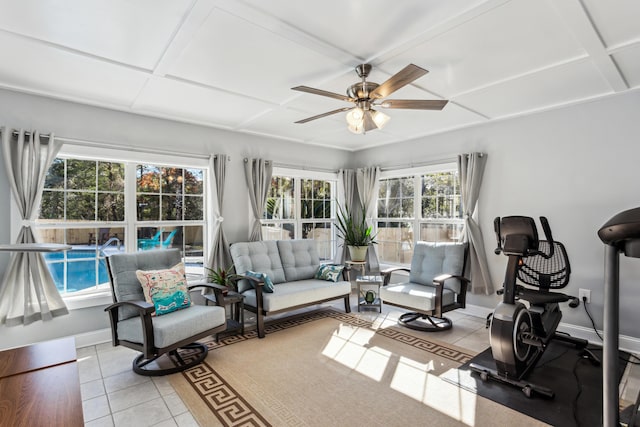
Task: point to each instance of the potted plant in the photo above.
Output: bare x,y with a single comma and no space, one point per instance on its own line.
357,235
223,276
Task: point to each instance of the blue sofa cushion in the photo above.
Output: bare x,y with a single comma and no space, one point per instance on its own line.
300,259
262,257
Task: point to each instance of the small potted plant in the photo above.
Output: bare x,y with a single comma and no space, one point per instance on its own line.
357,235
223,276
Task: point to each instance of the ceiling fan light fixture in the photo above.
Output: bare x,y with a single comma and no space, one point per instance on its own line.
362,118
355,117
379,118
357,129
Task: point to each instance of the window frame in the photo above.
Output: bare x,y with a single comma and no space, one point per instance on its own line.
416,220
101,295
298,175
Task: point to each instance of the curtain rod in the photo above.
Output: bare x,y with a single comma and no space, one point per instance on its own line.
97,144
427,163
297,167
420,164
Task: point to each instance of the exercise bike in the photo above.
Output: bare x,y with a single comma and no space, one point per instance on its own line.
519,334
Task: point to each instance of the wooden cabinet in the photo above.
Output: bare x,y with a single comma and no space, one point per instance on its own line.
39,385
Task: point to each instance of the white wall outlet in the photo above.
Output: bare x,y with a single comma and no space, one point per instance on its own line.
585,293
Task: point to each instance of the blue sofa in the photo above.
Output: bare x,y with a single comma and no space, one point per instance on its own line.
291,265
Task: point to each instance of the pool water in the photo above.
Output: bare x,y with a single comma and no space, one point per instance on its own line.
83,268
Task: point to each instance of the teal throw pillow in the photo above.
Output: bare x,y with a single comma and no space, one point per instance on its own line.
320,271
330,273
268,284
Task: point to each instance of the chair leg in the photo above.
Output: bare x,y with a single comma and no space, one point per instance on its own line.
260,324
139,363
424,322
347,304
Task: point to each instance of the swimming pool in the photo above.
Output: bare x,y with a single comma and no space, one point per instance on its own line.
83,269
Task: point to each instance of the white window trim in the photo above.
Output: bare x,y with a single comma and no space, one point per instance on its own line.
417,219
306,174
101,297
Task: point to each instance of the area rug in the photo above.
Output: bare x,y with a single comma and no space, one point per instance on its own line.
328,368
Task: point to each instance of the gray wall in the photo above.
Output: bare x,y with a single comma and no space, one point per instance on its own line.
71,120
576,166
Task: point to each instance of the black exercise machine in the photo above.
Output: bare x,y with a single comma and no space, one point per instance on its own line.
620,234
520,334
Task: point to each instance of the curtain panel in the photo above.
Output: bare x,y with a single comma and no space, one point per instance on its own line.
27,291
367,184
258,174
471,169
220,257
346,188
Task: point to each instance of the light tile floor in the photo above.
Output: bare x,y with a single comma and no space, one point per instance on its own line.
113,395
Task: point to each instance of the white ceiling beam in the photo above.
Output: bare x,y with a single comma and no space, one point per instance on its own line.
454,22
583,29
183,34
274,25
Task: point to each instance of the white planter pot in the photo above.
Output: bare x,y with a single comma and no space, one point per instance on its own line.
358,253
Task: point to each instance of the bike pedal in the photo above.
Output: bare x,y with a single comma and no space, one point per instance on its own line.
531,339
488,322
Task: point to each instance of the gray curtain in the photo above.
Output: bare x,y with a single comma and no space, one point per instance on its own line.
367,183
471,168
346,187
220,255
258,174
28,292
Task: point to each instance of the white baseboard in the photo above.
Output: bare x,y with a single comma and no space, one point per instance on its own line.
627,343
94,337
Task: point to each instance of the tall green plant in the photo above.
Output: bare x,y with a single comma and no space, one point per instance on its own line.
354,232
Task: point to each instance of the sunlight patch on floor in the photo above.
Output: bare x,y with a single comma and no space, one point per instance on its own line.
415,381
349,346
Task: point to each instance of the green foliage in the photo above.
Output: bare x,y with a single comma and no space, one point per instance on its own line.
354,232
223,276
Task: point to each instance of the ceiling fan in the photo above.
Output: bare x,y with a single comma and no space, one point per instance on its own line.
365,95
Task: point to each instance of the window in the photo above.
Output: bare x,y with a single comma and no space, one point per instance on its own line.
302,207
417,205
100,207
170,210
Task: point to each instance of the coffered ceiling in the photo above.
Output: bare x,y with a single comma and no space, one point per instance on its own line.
231,64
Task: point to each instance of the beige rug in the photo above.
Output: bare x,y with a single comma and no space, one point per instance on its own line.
328,368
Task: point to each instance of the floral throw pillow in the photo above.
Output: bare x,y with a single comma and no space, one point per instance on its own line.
165,289
330,273
268,284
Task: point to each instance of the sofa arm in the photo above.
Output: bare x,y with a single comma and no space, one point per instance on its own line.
386,274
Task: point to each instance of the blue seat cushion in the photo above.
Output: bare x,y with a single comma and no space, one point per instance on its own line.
415,296
174,327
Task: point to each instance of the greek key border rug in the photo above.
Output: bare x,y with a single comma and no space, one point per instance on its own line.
333,368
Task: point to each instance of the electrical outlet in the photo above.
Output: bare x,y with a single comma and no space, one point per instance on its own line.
585,293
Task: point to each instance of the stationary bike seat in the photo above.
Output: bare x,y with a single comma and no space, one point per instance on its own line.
536,297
